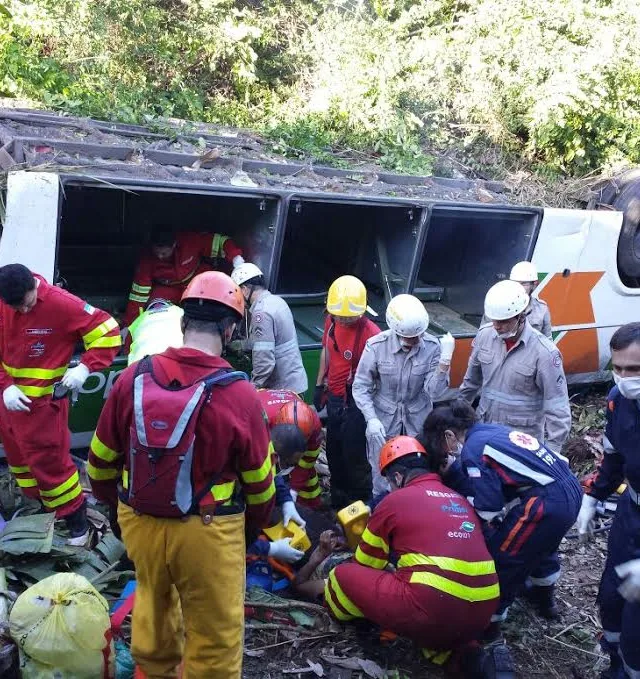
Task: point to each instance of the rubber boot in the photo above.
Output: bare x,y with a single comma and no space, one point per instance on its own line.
543,599
78,527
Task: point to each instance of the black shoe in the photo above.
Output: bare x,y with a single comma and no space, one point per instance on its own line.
498,663
543,599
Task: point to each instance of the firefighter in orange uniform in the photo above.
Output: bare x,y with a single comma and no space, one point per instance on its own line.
180,436
286,407
40,325
171,263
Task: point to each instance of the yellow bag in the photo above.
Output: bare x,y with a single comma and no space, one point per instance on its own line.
62,625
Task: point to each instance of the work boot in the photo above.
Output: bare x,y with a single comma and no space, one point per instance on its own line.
78,527
498,663
543,599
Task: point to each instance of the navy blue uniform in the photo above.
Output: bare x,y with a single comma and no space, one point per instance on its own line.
620,618
528,497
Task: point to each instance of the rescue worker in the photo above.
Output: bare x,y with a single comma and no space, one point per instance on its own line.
517,371
286,407
401,372
40,325
619,595
165,270
275,354
178,437
346,331
155,330
526,495
445,588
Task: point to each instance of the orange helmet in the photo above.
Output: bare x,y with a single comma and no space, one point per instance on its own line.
398,447
298,413
215,286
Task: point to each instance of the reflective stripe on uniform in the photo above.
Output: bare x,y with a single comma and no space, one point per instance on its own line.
63,499
35,373
223,491
455,589
102,329
259,498
286,347
309,494
63,493
258,475
263,346
35,391
58,490
517,466
102,451
141,289
546,581
26,482
19,470
99,474
106,342
138,298
446,563
374,541
335,609
343,599
371,561
217,244
125,478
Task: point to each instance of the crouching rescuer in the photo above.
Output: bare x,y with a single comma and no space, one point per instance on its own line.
180,436
445,588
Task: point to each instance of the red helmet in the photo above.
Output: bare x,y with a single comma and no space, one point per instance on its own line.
298,413
399,447
215,286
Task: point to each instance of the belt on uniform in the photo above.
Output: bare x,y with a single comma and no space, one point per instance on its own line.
633,494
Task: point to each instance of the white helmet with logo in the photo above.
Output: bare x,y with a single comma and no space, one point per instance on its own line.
406,316
245,272
524,272
505,300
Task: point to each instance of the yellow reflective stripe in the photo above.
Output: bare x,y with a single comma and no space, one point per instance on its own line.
217,243
259,498
105,342
63,499
306,465
109,325
35,373
125,478
102,451
98,474
328,596
343,599
436,657
35,391
448,564
223,491
309,494
455,588
371,561
27,483
374,541
19,470
138,298
258,475
58,490
142,289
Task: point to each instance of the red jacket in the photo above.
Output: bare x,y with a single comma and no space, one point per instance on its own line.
168,279
438,538
36,347
231,436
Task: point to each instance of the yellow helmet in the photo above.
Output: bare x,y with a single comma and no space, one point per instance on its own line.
347,297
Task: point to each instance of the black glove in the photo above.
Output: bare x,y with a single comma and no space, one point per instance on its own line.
113,522
319,397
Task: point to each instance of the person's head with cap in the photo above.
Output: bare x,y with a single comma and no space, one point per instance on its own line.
163,241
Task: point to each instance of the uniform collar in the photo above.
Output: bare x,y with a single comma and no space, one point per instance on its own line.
431,476
43,287
259,296
397,347
525,336
194,357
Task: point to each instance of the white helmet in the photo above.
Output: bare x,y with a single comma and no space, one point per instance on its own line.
245,272
406,316
524,272
505,300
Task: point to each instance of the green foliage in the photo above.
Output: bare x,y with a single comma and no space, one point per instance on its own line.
555,82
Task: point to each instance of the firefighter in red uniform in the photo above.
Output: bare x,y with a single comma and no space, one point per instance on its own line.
40,325
286,407
173,260
445,587
179,436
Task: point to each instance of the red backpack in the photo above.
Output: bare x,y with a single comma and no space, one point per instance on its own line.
162,436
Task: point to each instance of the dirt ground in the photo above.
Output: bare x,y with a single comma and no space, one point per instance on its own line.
565,648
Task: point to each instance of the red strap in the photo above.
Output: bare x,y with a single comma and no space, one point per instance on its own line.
118,617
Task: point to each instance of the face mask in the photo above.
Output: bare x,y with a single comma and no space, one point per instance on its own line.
511,334
629,386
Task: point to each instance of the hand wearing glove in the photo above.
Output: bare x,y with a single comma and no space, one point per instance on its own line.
290,513
294,494
238,260
281,550
630,574
74,378
15,400
447,345
318,397
585,518
376,433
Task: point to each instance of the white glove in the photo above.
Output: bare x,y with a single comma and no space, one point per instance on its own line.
238,260
376,433
447,345
290,513
15,400
283,551
630,574
587,513
294,494
74,378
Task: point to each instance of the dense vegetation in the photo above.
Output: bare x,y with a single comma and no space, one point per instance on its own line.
552,83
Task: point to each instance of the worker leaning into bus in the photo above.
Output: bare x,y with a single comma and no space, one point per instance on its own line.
346,331
40,325
517,371
179,436
286,407
275,354
401,372
445,588
619,595
173,259
526,495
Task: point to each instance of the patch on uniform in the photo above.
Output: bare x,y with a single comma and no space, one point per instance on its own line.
348,354
89,309
37,350
523,440
468,526
474,472
557,361
560,379
258,318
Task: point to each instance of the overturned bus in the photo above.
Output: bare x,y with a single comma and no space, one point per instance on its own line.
88,224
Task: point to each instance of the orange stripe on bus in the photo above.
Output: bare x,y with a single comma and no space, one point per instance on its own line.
460,360
579,349
569,298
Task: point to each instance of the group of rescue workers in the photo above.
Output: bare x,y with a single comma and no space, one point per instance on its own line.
467,506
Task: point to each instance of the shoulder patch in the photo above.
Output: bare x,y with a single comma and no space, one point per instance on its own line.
88,309
523,440
377,339
428,337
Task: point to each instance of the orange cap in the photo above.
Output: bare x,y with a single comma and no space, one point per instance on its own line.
298,413
215,286
399,447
